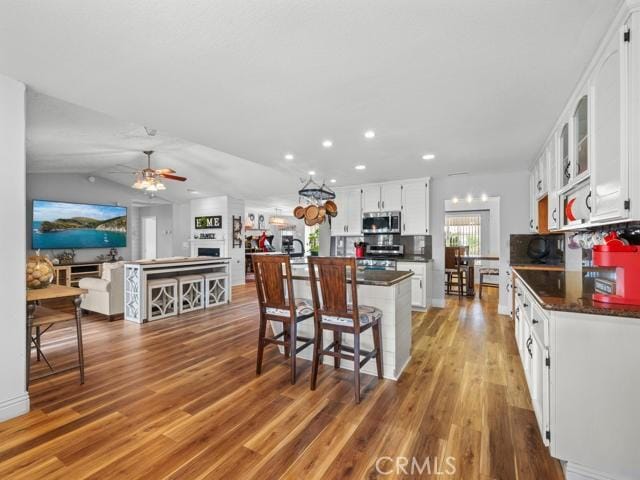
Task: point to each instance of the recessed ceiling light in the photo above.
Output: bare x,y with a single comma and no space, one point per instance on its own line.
333,180
369,134
312,172
288,156
484,197
454,199
428,156
360,167
469,198
193,192
327,143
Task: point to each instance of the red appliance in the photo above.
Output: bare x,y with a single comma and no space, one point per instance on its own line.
626,260
361,250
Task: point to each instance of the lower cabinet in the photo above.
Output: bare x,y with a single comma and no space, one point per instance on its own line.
420,282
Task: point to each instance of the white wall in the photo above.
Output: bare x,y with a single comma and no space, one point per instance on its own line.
181,229
513,190
14,398
227,207
70,187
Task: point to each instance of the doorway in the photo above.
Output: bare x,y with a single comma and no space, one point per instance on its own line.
149,237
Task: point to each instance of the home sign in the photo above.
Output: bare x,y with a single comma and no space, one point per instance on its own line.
210,221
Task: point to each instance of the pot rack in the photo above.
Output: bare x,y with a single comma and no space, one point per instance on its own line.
313,192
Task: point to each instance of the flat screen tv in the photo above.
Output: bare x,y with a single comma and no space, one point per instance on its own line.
60,225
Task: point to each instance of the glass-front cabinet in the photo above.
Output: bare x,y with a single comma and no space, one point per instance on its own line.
564,155
581,136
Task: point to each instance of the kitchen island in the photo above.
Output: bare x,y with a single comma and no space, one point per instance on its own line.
137,273
390,291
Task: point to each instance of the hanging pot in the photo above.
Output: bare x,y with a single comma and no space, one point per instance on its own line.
331,208
298,212
311,212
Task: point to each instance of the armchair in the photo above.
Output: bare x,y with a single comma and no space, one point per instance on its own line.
106,294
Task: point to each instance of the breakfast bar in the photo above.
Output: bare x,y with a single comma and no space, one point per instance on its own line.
138,274
389,291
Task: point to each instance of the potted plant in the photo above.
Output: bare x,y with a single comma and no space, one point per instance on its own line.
314,242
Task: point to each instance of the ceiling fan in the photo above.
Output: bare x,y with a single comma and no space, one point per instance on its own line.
150,179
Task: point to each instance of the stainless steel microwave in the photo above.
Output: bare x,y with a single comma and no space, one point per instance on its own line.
381,222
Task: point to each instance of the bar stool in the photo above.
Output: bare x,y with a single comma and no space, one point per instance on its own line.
279,304
162,298
489,271
190,291
334,313
215,288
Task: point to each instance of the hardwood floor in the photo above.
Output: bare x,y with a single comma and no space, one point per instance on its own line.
178,398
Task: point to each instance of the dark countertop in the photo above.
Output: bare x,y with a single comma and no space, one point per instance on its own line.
380,278
538,266
570,292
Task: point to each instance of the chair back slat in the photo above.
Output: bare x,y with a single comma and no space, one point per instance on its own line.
331,275
450,257
273,281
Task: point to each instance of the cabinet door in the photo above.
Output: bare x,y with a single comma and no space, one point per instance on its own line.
609,166
416,292
391,197
541,173
552,175
418,286
539,388
415,208
581,138
354,211
339,222
533,202
371,198
564,160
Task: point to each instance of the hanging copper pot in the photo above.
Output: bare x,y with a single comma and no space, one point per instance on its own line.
331,208
298,212
311,212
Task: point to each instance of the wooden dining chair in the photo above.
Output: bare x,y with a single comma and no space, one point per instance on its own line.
278,303
453,267
332,311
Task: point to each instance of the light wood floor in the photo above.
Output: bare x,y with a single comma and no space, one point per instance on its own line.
178,398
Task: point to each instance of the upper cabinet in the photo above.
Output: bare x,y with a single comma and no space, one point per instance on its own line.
415,207
386,197
349,218
582,173
610,171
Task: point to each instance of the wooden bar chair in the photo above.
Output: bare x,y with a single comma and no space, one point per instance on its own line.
279,304
453,267
42,319
333,312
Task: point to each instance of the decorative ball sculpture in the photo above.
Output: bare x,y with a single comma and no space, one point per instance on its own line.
39,271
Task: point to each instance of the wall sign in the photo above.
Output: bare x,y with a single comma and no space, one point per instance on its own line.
210,221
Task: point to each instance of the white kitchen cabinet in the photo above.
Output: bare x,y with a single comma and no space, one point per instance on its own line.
553,212
349,218
533,202
385,197
421,292
391,197
610,162
541,177
415,207
371,201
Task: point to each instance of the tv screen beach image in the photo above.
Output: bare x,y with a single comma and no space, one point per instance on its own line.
60,225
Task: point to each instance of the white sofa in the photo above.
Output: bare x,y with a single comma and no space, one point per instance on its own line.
106,294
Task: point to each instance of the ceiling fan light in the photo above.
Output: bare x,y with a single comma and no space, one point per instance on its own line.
160,186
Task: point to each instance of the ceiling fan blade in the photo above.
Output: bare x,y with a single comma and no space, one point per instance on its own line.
173,177
160,171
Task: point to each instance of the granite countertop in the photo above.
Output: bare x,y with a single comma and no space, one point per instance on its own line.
380,278
570,292
413,258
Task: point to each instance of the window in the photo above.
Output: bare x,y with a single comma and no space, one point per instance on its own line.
464,230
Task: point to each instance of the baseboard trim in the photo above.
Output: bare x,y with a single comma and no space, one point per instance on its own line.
14,407
437,302
579,472
504,310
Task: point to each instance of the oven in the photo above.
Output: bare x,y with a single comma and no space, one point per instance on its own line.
381,222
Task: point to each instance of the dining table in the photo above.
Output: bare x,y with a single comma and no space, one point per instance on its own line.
470,261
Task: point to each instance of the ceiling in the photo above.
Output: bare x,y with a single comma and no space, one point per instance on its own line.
478,83
66,138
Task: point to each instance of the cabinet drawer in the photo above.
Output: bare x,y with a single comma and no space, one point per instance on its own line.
417,268
540,323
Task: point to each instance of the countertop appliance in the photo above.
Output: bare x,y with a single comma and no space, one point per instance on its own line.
626,260
380,222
